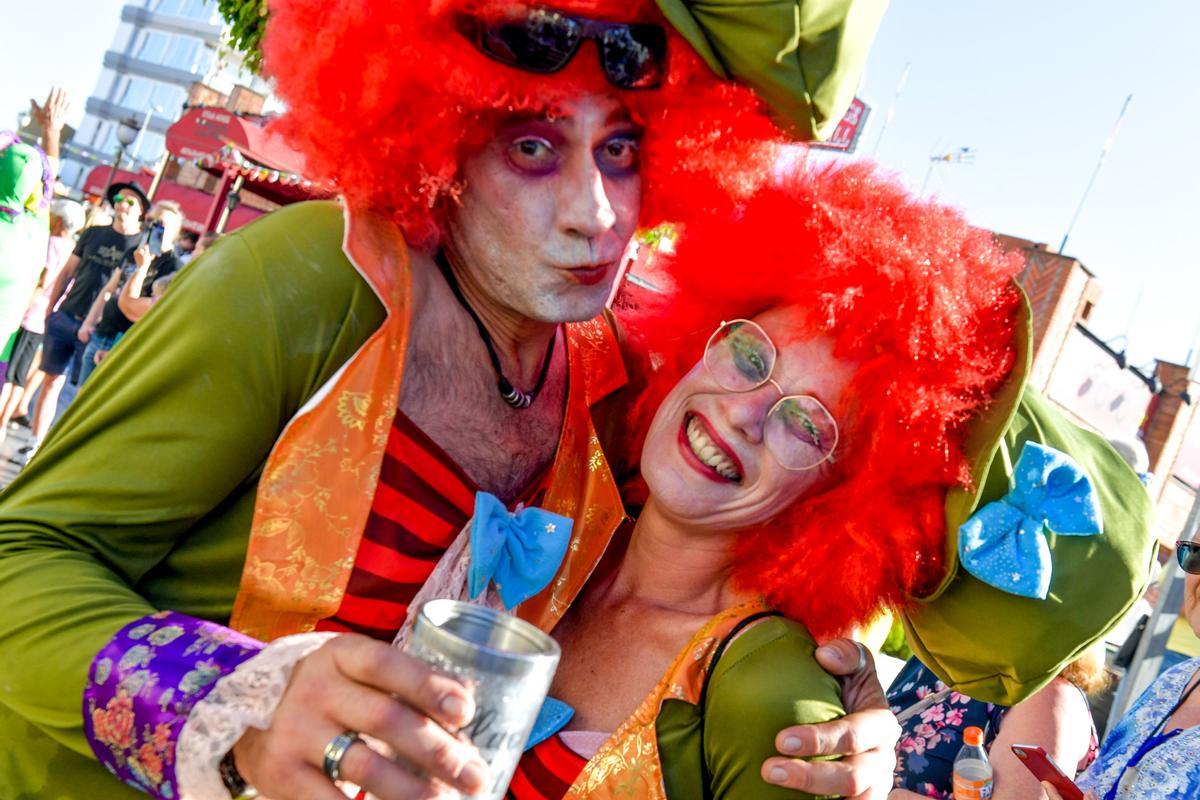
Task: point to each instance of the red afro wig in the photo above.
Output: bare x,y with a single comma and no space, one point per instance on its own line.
923,303
383,96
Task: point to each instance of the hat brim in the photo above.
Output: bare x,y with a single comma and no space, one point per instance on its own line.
1000,647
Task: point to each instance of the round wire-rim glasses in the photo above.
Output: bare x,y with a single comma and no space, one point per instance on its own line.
799,431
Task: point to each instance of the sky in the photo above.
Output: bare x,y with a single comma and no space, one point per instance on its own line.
1033,87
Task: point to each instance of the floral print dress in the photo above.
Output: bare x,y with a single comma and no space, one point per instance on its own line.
931,739
1170,771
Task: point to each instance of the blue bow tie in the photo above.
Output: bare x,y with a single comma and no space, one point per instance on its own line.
520,553
1003,543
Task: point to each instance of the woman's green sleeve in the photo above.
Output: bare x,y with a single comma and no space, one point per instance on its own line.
767,680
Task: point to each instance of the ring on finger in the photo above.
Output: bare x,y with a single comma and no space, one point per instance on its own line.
335,751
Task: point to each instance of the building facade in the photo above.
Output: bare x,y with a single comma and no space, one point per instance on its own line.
161,48
1092,383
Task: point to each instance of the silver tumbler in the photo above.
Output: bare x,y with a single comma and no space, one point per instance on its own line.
506,663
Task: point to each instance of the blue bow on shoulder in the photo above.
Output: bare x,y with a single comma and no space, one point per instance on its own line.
519,552
1003,543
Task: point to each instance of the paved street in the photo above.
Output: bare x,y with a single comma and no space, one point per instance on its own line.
19,436
10,461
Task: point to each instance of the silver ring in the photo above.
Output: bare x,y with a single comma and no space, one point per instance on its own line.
335,751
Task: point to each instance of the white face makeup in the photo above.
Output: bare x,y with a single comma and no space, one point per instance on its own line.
548,208
706,459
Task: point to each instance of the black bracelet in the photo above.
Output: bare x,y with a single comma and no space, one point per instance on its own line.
233,779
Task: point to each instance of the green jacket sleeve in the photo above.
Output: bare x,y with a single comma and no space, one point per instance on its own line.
766,681
140,498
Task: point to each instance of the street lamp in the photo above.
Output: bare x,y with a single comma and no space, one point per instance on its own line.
127,131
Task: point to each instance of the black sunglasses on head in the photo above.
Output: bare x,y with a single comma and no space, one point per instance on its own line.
1188,554
632,56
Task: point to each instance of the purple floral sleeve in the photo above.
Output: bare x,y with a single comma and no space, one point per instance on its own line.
143,685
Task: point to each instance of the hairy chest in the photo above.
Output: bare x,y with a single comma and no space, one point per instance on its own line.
452,397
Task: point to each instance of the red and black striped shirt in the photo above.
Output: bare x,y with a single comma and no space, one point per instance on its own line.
422,502
546,772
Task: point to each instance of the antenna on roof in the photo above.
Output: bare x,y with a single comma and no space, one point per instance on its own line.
1108,143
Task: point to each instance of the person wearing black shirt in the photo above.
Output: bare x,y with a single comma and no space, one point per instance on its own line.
99,252
105,321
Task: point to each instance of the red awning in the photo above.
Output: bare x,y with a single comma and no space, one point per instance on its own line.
202,133
195,203
220,140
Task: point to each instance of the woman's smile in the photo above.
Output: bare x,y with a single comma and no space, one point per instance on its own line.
710,455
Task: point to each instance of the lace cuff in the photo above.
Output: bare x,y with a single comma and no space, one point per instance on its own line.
142,686
245,698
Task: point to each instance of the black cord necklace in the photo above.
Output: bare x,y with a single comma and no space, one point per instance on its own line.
511,394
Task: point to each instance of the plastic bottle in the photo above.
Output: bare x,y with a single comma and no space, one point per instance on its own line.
972,772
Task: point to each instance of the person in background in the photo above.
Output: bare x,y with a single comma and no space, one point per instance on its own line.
26,182
1057,718
99,251
185,248
23,378
206,241
132,298
134,306
1154,750
155,258
97,214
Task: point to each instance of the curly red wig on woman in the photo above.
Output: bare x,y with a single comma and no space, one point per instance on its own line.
922,303
383,97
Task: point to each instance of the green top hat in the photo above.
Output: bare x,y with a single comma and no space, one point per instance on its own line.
803,58
1001,647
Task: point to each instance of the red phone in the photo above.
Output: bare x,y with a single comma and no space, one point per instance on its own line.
1039,762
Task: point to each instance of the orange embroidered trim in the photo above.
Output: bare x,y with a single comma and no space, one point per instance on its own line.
627,765
316,489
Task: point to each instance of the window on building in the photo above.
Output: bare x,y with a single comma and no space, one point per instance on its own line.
169,98
136,94
152,47
206,60
151,147
183,53
202,10
102,134
109,143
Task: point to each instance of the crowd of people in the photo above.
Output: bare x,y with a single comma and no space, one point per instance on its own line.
821,414
99,272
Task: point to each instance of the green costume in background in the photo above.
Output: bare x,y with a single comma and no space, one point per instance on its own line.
24,230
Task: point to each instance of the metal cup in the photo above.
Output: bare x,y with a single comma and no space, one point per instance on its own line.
507,664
